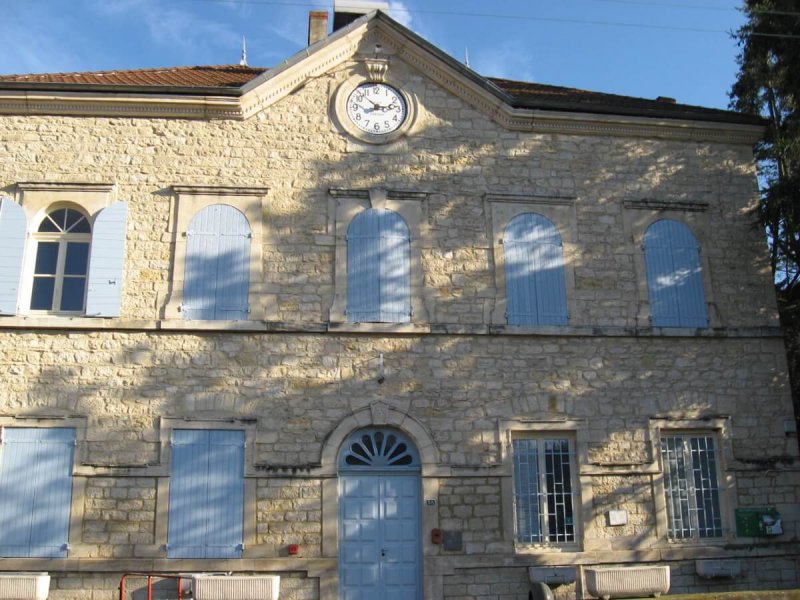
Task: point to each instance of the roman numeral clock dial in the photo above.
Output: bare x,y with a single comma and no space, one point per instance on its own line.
376,108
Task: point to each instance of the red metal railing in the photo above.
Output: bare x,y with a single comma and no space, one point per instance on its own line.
150,576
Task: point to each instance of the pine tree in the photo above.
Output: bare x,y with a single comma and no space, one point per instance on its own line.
768,84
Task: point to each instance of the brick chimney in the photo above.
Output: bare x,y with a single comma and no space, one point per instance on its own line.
347,11
317,26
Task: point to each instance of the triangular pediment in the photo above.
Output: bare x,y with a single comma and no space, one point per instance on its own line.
373,36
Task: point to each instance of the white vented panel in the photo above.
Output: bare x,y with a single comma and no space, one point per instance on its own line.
627,582
219,587
725,569
24,586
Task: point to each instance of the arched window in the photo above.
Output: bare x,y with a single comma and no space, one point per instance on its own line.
674,276
534,272
63,240
217,275
378,268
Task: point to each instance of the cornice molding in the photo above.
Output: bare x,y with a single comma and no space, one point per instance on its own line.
221,190
662,205
531,199
363,194
116,104
57,186
278,83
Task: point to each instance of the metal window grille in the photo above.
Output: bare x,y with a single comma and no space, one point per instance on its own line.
691,487
543,497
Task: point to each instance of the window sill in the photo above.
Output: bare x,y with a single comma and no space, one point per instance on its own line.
537,549
379,327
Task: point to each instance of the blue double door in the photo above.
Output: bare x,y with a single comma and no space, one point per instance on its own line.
379,531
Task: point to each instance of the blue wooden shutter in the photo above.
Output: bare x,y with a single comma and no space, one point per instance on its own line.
35,491
674,276
13,229
217,278
206,494
534,271
378,268
107,261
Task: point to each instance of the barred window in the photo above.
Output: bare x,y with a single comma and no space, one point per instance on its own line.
543,490
691,486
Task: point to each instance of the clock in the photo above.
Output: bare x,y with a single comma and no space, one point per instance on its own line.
376,108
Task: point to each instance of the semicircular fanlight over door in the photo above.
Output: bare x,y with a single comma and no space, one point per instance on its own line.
375,448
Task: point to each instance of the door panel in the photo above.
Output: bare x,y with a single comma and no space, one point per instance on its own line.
379,544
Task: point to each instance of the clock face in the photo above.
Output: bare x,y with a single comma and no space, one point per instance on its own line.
376,108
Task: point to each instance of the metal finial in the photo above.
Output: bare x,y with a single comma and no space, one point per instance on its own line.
243,62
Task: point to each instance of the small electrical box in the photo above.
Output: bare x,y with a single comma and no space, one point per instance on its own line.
758,522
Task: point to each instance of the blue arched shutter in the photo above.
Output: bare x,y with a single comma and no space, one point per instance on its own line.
13,229
107,261
35,491
534,270
206,494
217,278
378,268
674,276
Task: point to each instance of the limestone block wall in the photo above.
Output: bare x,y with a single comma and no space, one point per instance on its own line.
293,390
119,516
455,155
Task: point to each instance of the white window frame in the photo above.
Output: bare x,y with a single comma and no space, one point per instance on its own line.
561,212
63,239
38,200
187,202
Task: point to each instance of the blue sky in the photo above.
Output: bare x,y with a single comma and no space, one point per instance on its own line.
644,48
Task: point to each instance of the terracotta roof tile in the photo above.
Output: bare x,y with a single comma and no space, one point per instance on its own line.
537,95
523,94
230,76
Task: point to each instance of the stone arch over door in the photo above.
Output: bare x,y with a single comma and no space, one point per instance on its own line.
378,415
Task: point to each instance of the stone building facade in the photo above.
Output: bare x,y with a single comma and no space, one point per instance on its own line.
475,448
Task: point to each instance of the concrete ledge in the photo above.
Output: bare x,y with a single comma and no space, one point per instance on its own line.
750,595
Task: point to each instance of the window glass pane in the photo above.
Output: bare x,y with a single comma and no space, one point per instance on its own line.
543,499
77,258
526,490
42,296
559,491
76,222
47,225
60,218
46,258
691,487
72,293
